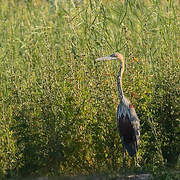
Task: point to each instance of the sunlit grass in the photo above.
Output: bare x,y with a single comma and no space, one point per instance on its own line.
58,107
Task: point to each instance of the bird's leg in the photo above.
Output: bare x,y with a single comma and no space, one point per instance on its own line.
136,159
136,162
124,155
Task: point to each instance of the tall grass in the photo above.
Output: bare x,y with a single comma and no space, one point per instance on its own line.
58,107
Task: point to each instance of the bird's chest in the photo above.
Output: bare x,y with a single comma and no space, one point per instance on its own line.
125,127
123,111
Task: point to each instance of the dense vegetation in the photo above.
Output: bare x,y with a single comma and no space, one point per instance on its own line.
58,107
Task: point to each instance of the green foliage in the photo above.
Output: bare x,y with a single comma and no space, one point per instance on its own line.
58,107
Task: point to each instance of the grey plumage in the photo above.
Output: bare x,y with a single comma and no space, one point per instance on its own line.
128,126
127,121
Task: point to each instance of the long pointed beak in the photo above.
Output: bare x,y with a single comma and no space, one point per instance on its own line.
105,58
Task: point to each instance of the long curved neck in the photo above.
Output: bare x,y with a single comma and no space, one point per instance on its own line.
119,80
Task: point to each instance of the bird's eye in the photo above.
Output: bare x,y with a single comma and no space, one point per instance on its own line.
113,55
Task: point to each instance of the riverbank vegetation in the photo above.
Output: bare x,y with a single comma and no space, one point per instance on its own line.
58,107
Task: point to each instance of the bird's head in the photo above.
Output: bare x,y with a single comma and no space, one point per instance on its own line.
114,56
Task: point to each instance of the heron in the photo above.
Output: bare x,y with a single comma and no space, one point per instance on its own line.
128,123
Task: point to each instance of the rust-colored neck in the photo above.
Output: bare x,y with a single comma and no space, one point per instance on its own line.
119,77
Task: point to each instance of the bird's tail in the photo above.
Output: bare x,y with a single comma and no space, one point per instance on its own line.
131,148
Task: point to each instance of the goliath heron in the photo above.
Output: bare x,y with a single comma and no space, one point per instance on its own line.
127,121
